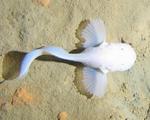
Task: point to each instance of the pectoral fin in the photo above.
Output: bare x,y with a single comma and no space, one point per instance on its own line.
94,33
95,81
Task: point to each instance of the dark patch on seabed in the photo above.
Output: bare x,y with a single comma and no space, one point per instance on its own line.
148,114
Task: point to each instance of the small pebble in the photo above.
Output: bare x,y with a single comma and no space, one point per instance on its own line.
44,3
21,96
62,116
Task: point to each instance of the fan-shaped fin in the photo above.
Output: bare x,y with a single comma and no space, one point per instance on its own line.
94,81
94,33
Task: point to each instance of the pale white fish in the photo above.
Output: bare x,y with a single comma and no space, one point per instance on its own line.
99,57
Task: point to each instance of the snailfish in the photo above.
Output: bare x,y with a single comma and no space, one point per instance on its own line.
98,57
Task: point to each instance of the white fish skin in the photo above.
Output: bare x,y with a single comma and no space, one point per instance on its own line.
27,60
99,57
112,57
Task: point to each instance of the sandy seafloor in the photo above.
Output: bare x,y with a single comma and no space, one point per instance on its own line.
49,89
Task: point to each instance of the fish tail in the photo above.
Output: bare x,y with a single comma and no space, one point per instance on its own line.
51,50
27,60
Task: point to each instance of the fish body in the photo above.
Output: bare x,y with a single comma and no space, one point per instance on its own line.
111,57
99,57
